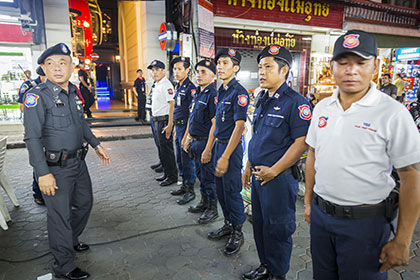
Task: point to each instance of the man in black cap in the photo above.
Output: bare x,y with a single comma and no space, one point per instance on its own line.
55,133
201,126
231,114
162,115
280,123
185,91
24,88
356,137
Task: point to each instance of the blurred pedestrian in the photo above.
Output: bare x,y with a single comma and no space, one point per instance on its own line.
387,87
400,84
139,89
86,89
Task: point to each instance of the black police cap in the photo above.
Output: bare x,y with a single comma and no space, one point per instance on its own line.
39,71
358,42
157,64
185,60
60,48
277,52
228,52
208,64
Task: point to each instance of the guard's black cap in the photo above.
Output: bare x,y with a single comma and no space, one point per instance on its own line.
358,42
185,60
157,64
208,64
60,48
277,52
39,71
228,52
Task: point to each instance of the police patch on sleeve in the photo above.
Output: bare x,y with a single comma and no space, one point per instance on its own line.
242,100
170,91
305,112
215,100
31,100
193,92
24,88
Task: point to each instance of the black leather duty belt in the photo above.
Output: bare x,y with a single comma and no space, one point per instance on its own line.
59,158
351,212
181,122
160,118
226,141
199,138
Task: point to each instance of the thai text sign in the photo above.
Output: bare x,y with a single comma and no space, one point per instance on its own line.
314,13
248,39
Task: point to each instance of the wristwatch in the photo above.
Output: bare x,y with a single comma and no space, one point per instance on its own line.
97,147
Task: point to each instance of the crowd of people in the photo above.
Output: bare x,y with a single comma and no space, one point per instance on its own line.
355,138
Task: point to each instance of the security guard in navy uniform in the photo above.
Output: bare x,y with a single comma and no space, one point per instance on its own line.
280,122
231,114
201,126
24,88
55,132
184,93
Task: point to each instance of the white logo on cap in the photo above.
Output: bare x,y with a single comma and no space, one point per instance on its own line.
63,48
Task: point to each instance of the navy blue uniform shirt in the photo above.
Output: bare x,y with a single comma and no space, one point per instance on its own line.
232,105
203,110
27,85
277,122
183,97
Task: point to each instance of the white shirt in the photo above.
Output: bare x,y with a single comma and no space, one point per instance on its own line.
356,149
162,93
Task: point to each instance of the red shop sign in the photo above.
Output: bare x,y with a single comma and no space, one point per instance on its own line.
313,13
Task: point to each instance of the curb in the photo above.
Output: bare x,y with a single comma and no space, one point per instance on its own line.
20,145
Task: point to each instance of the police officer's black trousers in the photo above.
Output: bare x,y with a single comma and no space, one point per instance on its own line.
141,107
166,151
89,100
205,172
68,212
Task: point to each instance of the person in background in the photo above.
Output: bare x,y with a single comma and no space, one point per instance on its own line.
387,87
139,89
24,88
400,84
86,89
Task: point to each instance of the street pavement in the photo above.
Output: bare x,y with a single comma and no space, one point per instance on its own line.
137,231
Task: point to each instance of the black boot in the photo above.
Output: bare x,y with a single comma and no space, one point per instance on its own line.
188,196
218,234
156,165
179,191
235,241
210,214
201,206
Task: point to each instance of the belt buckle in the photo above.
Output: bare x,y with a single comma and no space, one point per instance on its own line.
347,212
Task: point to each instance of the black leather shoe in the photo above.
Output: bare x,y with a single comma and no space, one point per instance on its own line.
179,191
188,196
235,241
81,247
257,274
218,234
272,277
75,274
154,166
39,201
159,169
167,182
161,178
210,214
